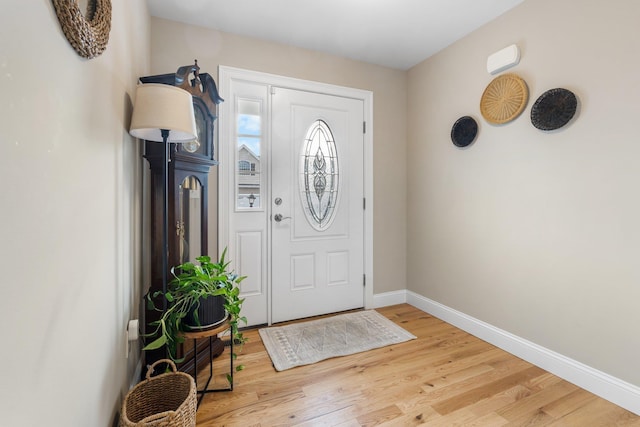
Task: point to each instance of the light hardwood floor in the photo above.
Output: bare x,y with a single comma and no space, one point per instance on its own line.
446,377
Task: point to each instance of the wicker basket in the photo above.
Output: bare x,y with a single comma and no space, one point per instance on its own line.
504,99
169,399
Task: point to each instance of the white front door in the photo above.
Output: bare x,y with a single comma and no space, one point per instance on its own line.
317,212
314,261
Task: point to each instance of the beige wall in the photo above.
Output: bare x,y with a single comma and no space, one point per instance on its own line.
70,217
535,233
174,44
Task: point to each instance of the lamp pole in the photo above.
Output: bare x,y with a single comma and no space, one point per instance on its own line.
163,113
165,215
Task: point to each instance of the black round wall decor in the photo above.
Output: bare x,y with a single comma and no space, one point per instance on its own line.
464,131
553,109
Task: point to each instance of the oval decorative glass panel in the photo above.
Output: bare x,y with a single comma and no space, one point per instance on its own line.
319,175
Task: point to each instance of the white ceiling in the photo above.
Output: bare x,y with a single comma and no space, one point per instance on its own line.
392,33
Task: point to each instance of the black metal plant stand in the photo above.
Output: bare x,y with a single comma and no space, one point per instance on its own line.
210,334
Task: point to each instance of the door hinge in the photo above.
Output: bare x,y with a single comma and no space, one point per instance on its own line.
364,127
364,203
273,90
364,280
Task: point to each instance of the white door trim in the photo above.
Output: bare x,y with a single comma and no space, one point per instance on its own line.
228,74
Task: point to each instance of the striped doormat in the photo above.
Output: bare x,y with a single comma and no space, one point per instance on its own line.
340,335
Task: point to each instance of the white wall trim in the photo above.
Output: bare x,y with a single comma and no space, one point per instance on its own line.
389,298
597,382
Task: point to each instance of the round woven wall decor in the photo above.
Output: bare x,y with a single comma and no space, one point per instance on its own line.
504,99
464,131
88,36
553,109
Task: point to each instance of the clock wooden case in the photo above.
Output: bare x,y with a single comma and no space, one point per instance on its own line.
188,193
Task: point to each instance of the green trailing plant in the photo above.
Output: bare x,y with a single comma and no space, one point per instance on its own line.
190,284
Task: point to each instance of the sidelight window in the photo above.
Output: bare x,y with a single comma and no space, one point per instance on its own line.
248,145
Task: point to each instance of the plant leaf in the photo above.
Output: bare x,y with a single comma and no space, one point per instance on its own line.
157,343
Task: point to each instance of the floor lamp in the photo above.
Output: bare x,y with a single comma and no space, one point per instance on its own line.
163,113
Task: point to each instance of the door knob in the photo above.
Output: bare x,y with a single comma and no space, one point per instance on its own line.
279,217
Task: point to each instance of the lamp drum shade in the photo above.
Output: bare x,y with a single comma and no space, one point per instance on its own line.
162,107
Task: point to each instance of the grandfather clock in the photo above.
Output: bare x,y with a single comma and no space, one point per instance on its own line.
188,193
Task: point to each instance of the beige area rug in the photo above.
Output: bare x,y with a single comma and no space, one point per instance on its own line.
315,340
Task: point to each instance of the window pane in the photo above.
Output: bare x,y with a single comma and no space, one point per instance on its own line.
249,136
248,125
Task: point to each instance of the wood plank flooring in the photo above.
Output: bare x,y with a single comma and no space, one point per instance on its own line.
446,377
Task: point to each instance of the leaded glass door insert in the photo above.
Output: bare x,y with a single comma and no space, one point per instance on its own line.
319,175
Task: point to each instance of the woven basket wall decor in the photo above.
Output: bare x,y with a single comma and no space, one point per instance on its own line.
504,99
88,35
464,131
554,109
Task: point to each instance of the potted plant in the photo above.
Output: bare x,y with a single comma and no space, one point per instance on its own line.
191,284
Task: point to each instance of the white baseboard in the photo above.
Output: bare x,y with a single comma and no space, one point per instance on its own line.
389,298
599,383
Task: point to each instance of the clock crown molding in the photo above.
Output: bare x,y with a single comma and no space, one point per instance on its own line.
201,86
